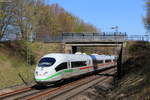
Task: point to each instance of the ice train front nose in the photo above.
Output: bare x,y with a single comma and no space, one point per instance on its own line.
45,72
49,76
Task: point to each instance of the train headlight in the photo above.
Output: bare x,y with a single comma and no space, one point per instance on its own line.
36,73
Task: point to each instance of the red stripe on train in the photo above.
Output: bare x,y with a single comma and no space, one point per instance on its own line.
98,64
85,67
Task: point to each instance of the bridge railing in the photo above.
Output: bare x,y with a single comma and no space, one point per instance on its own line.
95,38
138,38
85,38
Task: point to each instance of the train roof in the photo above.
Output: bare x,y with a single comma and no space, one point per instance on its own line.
77,57
62,56
100,57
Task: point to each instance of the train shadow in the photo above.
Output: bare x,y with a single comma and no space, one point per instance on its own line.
112,75
39,87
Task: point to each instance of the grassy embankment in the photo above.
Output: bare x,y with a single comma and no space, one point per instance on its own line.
135,85
13,61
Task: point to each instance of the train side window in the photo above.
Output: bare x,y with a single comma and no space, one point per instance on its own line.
100,61
61,66
114,60
108,60
78,64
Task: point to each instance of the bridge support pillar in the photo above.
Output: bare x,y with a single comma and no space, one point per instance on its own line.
119,63
67,49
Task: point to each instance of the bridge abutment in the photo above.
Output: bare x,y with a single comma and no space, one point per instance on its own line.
68,49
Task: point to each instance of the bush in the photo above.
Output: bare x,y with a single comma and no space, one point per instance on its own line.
23,50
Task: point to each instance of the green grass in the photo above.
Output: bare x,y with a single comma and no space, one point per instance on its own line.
10,77
13,61
41,49
10,67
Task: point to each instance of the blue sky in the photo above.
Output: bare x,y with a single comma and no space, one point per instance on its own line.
127,14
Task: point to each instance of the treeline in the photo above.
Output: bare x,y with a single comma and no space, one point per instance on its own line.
26,18
147,18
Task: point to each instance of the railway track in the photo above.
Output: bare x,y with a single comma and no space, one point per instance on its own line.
56,93
14,95
72,88
16,92
67,94
21,93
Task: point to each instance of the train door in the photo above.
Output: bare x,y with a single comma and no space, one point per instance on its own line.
67,72
89,63
69,64
95,65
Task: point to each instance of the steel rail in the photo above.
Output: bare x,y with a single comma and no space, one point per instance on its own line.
66,97
15,91
52,91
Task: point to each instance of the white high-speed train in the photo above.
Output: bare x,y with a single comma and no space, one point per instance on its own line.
54,67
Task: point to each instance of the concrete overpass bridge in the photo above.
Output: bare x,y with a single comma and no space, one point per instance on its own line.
73,40
72,47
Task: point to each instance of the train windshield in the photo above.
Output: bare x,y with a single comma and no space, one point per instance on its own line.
46,62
